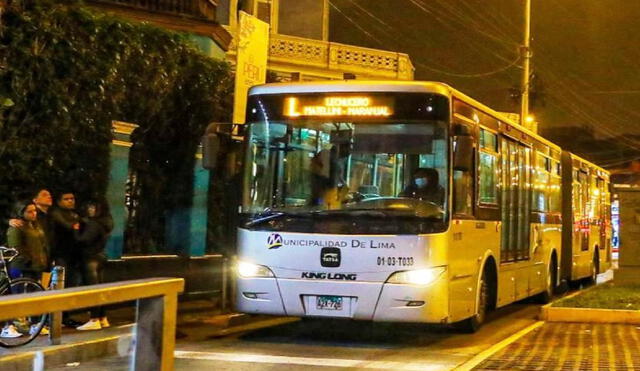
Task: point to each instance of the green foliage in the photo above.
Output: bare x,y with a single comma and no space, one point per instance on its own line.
66,73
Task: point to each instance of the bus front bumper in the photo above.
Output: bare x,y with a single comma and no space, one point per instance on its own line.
375,301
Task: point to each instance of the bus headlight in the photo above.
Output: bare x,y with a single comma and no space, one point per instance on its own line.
250,270
417,277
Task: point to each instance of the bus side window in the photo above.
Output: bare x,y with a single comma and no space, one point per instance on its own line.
463,184
488,181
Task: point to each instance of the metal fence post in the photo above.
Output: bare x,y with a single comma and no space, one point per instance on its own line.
233,281
155,333
55,319
225,297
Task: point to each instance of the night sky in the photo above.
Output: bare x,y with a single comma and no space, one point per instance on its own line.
585,55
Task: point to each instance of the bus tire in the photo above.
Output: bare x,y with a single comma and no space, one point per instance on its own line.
550,287
473,323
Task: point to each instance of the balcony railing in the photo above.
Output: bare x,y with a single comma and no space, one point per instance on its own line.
203,9
323,57
340,57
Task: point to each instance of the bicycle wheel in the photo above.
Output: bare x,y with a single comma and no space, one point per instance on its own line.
20,331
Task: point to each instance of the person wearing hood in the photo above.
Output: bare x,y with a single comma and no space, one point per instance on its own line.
91,237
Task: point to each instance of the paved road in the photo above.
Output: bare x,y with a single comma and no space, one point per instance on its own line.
332,344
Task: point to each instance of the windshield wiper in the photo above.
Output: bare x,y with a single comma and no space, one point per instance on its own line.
355,212
377,212
265,217
269,214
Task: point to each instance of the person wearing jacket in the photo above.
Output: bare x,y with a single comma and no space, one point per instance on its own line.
43,201
64,252
31,242
91,239
64,221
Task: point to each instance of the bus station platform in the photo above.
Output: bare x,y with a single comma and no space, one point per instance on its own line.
571,346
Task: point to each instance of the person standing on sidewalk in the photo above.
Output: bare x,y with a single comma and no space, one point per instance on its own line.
43,201
64,251
30,241
91,237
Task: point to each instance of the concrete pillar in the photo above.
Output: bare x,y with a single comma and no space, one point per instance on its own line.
186,228
629,256
116,189
199,209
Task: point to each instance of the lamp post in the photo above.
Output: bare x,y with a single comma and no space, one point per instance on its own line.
526,55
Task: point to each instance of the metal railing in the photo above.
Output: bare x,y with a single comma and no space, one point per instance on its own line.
308,54
204,9
156,306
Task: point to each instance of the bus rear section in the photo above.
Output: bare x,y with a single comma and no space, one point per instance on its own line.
587,230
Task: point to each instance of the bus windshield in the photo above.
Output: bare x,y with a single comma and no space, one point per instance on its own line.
362,169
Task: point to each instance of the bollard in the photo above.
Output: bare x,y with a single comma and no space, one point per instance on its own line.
225,271
55,319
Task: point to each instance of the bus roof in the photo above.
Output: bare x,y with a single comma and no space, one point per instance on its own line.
348,86
589,163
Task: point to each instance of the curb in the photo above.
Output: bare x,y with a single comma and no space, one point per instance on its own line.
544,310
589,315
550,313
68,353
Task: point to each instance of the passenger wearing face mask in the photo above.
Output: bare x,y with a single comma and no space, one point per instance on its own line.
425,186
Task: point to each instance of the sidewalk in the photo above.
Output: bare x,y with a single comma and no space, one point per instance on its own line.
196,320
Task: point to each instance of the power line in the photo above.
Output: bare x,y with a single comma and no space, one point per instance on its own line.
615,92
356,24
483,74
510,64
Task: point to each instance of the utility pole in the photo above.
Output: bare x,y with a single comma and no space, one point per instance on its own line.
526,60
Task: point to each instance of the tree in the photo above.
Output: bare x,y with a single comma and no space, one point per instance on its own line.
70,72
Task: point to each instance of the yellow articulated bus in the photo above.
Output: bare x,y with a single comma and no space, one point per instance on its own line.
407,201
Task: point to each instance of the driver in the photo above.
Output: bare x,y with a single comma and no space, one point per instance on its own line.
425,186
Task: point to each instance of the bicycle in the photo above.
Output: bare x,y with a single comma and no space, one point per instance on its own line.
24,329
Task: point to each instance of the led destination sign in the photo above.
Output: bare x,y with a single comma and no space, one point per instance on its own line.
338,106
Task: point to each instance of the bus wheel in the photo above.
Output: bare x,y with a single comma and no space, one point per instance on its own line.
550,287
472,324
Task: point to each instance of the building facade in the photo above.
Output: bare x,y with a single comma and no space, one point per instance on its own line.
299,46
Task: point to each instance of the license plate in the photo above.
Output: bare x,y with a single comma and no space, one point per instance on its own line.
329,302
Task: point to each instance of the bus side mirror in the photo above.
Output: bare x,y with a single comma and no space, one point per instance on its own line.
463,153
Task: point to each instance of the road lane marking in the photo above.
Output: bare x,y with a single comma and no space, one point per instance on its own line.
473,362
307,361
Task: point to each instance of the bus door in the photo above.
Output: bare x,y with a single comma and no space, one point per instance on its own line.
516,203
581,227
